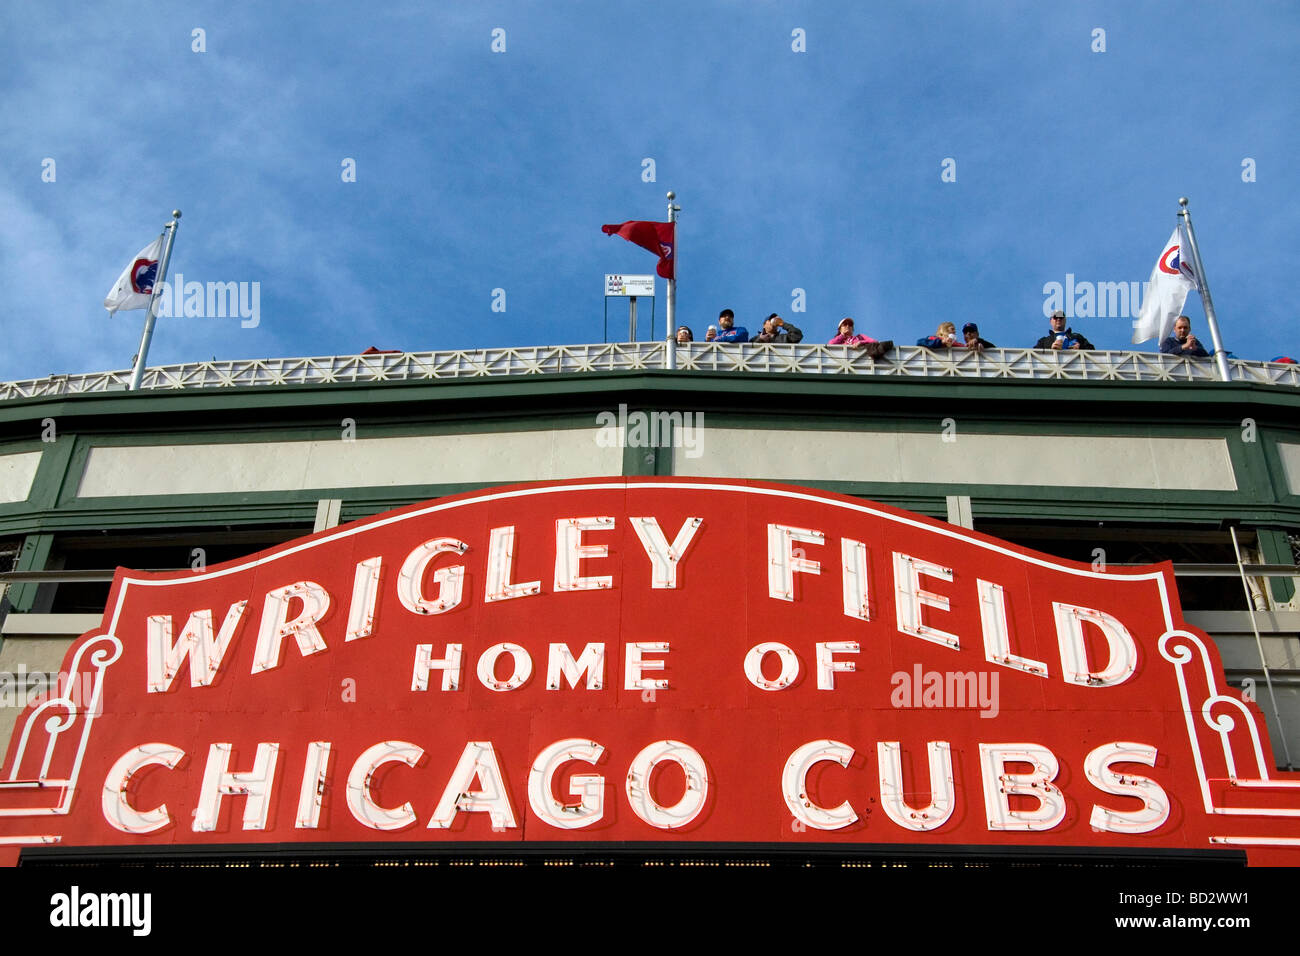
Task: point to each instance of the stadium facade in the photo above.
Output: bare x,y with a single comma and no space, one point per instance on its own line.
1111,459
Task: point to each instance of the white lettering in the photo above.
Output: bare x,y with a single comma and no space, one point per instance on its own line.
910,597
783,562
449,664
116,808
997,632
561,664
219,781
570,552
410,582
500,567
589,788
477,759
315,774
276,626
523,667
634,665
639,776
892,792
754,666
1121,661
1155,802
365,594
828,666
794,785
664,557
857,591
360,800
1000,786
196,642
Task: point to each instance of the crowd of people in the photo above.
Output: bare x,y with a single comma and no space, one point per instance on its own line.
1059,337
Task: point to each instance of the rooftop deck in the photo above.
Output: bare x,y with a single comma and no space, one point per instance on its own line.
908,362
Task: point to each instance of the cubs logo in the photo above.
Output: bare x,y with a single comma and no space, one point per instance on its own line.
1169,262
143,274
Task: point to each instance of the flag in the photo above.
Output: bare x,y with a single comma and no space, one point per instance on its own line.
657,237
134,287
1171,280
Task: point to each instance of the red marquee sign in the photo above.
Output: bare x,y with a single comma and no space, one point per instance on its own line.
636,660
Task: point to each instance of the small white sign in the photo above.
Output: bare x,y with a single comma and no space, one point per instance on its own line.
630,285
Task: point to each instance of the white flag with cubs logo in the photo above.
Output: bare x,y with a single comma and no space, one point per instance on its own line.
1171,280
134,287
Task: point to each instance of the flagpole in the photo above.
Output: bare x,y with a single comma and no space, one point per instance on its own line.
670,341
137,373
1220,355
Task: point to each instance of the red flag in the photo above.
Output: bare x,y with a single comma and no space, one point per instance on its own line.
657,237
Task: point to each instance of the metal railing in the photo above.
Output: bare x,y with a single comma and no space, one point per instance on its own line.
907,362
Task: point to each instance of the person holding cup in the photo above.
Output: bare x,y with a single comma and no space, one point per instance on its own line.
1061,338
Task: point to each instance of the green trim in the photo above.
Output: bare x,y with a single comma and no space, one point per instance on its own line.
47,487
664,454
1275,548
1036,502
34,556
655,459
831,403
225,433
979,422
1251,462
1045,504
559,401
639,461
53,456
70,503
1270,441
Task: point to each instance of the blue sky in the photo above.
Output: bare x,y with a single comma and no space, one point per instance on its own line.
478,170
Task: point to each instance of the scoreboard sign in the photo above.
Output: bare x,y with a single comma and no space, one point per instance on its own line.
648,660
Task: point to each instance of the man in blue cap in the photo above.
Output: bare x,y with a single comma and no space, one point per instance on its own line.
971,332
1061,338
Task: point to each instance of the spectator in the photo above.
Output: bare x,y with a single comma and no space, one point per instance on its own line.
728,331
684,334
944,338
1062,338
846,336
778,330
971,332
1183,342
